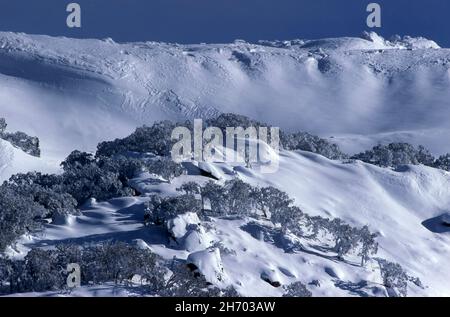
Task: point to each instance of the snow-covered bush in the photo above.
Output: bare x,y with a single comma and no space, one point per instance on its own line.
394,277
19,214
443,162
165,167
185,283
289,141
396,154
160,210
297,289
307,142
21,140
233,120
46,190
85,178
368,244
155,139
236,197
345,237
44,270
3,126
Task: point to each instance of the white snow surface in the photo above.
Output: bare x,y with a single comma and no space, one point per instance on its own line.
75,93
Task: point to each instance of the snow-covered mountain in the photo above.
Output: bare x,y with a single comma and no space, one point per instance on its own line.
75,93
357,92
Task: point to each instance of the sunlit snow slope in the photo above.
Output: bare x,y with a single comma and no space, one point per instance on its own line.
75,93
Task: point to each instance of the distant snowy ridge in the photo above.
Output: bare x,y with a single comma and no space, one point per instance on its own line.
76,93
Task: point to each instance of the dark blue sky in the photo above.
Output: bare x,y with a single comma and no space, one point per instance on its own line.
194,21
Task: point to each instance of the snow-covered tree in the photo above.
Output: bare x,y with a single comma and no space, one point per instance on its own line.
160,210
443,162
395,154
297,289
18,215
21,140
184,283
368,244
155,139
3,126
165,167
307,142
394,277
345,237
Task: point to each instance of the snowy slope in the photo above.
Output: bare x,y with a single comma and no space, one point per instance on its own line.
392,203
75,93
14,160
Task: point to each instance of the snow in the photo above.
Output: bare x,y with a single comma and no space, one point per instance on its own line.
14,160
343,87
209,264
357,92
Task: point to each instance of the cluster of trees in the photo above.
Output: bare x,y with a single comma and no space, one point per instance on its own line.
155,139
159,210
396,154
396,279
311,143
26,200
237,198
21,140
18,215
290,141
45,270
117,262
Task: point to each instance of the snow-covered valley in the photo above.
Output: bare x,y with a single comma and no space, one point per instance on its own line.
356,93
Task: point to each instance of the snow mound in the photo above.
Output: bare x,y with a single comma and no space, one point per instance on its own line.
209,264
188,232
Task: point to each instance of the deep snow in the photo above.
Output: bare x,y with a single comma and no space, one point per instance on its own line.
76,93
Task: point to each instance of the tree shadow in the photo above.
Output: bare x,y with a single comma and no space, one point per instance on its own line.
357,289
276,237
151,235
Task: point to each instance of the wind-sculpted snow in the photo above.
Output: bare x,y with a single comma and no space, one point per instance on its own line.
76,93
73,94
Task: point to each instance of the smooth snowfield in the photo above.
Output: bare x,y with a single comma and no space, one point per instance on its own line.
76,93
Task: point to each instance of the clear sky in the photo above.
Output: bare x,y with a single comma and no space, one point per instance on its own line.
195,21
